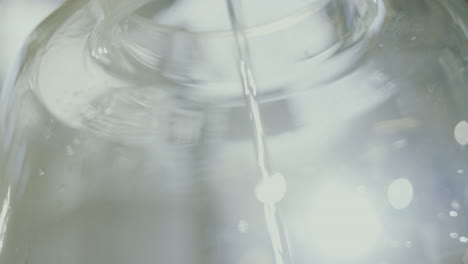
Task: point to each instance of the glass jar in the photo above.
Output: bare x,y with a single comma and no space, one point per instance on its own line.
17,19
126,136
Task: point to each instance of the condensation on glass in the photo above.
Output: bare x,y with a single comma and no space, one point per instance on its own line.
126,137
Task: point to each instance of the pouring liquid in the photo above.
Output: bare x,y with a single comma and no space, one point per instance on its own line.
272,186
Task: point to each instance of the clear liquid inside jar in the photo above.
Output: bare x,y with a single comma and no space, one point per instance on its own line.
125,137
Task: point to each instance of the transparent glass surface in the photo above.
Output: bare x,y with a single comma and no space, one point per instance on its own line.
17,19
125,137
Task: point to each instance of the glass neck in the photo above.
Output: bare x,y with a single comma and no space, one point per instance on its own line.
191,43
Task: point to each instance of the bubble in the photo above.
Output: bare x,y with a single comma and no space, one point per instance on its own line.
271,190
408,244
243,226
461,133
400,193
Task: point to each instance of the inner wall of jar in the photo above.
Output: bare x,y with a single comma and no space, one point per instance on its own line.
160,42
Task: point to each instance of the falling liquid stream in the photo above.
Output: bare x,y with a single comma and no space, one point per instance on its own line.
272,187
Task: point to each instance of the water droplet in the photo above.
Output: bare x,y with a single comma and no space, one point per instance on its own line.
463,239
460,171
271,190
243,226
41,172
461,133
408,244
69,150
413,38
453,214
400,193
454,235
61,188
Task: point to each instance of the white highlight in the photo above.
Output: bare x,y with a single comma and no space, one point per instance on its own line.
4,215
461,133
453,213
271,190
400,193
344,223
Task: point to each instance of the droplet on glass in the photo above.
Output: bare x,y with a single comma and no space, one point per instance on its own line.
453,213
243,226
463,239
271,190
460,171
41,172
400,193
461,133
454,235
408,244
